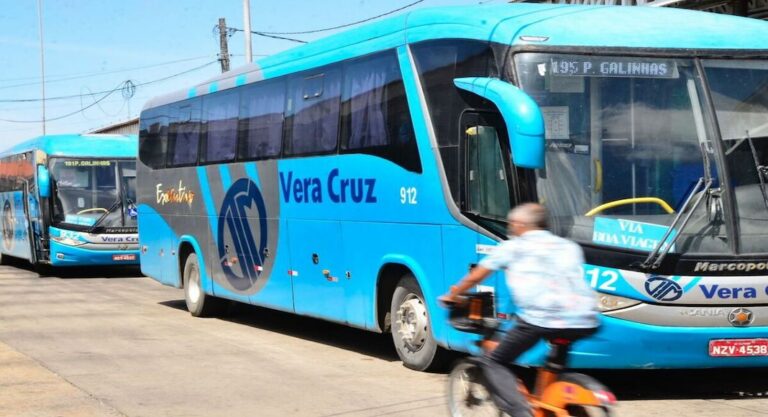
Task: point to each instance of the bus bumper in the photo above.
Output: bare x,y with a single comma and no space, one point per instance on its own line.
65,255
626,344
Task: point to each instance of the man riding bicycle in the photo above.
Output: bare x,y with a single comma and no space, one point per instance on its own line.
544,275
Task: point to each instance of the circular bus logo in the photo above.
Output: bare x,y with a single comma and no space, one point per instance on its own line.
240,246
663,289
8,225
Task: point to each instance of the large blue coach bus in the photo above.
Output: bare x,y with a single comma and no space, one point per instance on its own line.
69,200
355,178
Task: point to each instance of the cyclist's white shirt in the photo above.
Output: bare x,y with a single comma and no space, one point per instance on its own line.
545,277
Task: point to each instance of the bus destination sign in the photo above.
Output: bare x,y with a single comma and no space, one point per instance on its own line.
613,67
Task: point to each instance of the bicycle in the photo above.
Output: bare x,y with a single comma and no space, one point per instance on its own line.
555,393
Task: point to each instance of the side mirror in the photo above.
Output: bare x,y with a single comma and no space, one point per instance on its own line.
43,181
525,123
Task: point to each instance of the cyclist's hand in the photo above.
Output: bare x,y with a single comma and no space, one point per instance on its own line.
450,299
447,300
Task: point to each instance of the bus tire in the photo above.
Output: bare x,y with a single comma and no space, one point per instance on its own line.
411,328
198,302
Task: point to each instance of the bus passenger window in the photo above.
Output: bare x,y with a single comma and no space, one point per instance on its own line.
375,115
220,112
153,137
313,113
184,135
261,120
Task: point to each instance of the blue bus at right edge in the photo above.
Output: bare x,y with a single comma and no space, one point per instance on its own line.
355,178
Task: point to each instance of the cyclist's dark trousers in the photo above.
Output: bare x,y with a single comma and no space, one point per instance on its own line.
503,382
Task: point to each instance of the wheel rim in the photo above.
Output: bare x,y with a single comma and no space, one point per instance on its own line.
412,322
193,286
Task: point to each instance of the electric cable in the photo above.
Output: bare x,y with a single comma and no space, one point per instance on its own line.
30,100
55,79
307,32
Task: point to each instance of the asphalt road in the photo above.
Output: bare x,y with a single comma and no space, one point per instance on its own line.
112,343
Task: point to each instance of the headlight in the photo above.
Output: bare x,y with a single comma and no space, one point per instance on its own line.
67,241
607,302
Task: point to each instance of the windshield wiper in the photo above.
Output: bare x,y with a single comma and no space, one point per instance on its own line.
118,202
661,250
762,170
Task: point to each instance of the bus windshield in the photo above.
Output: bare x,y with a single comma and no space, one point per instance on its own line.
626,148
740,96
94,193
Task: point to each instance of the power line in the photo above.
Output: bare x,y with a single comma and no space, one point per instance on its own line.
90,74
68,114
30,100
267,35
307,32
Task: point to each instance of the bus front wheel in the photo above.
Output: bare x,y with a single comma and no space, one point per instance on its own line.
198,302
411,328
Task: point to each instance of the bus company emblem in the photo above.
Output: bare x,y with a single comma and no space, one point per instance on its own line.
663,289
246,252
741,317
8,225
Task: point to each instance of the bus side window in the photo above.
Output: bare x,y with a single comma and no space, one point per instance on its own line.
153,137
313,112
375,115
260,129
184,133
220,112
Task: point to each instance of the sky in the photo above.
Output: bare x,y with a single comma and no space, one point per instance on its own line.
92,47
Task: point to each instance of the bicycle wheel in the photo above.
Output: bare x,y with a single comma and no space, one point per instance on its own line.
468,394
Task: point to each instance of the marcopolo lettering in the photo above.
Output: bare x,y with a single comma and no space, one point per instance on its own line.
336,189
730,266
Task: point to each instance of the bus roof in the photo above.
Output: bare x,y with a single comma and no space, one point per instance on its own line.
524,24
97,146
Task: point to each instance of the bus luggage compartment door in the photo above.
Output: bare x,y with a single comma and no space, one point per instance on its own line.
316,253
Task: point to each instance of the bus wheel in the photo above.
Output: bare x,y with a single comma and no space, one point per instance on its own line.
199,303
411,332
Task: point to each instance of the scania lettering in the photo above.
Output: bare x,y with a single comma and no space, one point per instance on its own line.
69,200
354,178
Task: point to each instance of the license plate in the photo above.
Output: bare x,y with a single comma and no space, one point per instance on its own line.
124,257
738,347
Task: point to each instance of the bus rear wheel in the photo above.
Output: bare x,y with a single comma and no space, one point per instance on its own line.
198,302
411,328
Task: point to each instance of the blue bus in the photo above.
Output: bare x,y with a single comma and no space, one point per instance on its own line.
355,178
69,200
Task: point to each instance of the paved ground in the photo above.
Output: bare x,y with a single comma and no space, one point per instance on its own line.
108,344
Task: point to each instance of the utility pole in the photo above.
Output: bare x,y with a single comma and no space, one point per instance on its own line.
42,55
224,54
247,31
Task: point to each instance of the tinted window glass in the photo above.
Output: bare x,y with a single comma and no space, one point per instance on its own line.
153,137
184,133
438,63
220,111
376,118
261,120
313,112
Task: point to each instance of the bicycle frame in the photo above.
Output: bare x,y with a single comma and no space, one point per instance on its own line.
554,392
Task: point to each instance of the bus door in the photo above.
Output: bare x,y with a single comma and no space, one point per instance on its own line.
318,281
15,224
489,190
